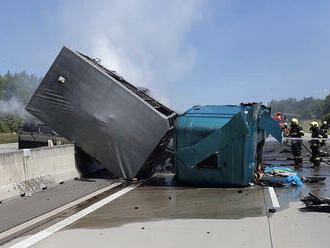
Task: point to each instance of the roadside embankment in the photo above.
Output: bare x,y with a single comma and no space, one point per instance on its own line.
8,138
31,170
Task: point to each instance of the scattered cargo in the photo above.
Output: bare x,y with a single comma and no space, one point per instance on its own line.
281,175
313,201
313,179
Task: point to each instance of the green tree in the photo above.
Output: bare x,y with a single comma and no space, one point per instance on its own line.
19,87
326,117
307,108
326,105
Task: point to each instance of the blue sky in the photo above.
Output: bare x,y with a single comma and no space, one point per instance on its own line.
187,52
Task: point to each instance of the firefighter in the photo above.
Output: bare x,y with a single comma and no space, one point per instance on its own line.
278,116
285,129
324,129
315,144
296,131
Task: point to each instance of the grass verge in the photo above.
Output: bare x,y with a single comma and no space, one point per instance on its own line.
8,138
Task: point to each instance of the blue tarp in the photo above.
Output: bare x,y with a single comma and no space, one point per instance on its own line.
291,179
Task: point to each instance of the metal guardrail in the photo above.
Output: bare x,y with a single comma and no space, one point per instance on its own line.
291,138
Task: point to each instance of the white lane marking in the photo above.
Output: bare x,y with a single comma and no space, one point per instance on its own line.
40,218
273,197
60,225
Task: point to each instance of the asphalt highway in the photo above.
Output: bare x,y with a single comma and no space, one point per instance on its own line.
159,213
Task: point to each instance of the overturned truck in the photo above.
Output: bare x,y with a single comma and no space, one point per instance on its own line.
127,131
113,121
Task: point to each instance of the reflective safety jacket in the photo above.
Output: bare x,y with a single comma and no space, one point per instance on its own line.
316,133
296,131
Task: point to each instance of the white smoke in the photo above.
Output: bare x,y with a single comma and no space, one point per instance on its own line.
143,40
12,106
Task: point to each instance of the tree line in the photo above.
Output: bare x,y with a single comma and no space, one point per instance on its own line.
15,91
17,88
308,108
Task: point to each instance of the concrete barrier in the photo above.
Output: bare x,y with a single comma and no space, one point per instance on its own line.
12,173
31,170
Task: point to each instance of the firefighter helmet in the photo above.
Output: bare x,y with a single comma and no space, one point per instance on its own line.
295,121
314,124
